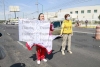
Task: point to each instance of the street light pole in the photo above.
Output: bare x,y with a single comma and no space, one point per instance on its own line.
4,10
37,7
15,14
42,7
23,14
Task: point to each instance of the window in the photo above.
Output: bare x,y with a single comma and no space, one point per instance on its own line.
76,12
95,11
56,24
71,12
88,11
82,11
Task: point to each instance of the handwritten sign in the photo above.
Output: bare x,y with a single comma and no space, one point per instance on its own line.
35,32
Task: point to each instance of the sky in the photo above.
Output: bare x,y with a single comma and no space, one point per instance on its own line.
28,8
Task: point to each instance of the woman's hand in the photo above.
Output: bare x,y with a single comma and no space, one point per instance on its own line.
61,35
72,34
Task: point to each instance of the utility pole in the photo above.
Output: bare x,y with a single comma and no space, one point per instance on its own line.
15,14
23,14
42,6
37,7
60,10
4,10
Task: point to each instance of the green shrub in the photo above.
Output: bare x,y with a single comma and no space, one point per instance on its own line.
73,22
1,21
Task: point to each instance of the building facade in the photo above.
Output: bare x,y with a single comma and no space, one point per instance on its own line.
82,13
49,15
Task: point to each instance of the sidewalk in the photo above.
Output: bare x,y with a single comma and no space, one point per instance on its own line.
88,26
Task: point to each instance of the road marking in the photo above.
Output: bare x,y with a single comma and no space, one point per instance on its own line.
8,34
22,44
84,32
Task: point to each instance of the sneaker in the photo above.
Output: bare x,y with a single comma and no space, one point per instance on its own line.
44,60
63,53
38,61
70,52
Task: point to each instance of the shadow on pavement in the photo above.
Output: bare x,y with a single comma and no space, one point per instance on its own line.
50,56
18,65
93,37
57,38
33,57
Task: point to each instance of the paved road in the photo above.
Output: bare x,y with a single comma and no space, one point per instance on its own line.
91,30
86,50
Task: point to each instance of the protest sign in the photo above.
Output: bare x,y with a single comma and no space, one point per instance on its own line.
35,32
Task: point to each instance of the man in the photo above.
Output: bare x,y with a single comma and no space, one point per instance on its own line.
86,23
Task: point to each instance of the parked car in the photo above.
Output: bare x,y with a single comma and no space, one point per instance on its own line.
57,27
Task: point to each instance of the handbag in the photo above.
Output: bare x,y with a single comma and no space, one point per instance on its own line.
2,53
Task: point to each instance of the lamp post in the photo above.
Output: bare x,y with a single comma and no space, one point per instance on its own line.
42,7
38,8
4,10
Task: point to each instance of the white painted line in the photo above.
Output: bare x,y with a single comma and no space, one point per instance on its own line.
22,44
8,34
84,32
99,46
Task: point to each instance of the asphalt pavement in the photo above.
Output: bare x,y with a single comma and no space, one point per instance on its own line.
86,50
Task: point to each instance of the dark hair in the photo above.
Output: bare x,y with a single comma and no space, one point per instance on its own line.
66,15
39,16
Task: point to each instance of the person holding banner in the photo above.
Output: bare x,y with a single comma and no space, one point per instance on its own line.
66,32
37,33
41,51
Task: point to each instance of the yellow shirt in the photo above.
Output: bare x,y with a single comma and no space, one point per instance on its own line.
66,27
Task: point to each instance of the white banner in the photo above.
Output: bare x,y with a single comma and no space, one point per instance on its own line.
35,32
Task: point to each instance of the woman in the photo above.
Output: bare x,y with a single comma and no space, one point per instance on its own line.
41,52
66,32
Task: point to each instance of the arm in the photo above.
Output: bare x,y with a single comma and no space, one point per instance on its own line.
51,27
62,26
72,27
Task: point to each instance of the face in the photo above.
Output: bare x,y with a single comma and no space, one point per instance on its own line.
68,17
41,17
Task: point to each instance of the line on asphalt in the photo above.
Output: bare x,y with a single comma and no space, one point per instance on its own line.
22,44
18,42
8,34
84,32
